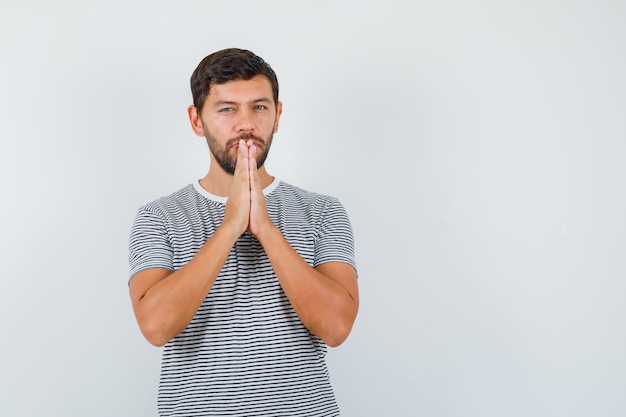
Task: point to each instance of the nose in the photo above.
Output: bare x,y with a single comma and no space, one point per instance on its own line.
244,121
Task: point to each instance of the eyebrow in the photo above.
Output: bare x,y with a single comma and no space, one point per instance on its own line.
219,103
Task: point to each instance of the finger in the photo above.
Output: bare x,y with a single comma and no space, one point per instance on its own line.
259,218
241,167
252,162
255,181
237,210
253,152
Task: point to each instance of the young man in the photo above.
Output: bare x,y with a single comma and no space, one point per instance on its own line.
243,278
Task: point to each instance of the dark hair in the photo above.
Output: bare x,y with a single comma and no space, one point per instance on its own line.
228,65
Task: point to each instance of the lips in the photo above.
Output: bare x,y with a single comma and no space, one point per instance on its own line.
234,143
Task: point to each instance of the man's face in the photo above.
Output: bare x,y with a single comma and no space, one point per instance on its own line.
242,109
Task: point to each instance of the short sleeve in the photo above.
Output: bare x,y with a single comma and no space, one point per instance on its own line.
149,245
335,241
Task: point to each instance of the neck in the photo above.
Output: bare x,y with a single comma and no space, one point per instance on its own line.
218,182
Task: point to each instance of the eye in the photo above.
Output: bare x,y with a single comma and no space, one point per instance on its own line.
260,107
226,109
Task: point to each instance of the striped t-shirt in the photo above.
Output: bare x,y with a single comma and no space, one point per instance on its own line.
246,352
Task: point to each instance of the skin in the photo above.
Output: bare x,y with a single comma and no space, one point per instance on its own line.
325,298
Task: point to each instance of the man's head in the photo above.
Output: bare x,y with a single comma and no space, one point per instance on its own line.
235,96
229,65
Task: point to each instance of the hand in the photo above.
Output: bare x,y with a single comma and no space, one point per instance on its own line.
237,211
259,219
245,207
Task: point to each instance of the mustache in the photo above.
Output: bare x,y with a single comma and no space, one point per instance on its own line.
245,136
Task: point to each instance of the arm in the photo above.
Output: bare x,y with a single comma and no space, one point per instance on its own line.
326,297
165,302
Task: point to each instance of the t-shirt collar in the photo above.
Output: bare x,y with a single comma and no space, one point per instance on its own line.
266,191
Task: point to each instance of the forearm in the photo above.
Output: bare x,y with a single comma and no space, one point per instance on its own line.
166,302
326,306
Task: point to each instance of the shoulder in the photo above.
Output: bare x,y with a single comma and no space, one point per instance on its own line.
172,201
291,201
291,192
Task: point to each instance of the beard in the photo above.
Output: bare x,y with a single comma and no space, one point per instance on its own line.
224,156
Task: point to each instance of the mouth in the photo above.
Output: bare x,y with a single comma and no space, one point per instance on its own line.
234,143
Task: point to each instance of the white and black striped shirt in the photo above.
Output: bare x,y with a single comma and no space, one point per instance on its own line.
246,352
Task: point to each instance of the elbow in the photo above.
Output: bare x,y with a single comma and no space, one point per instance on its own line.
337,329
154,334
338,335
156,328
156,340
334,342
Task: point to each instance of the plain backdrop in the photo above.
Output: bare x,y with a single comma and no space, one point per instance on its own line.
478,147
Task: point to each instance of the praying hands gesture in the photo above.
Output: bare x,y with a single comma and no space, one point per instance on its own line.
325,297
245,207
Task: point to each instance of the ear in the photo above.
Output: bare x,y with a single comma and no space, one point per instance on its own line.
194,119
279,111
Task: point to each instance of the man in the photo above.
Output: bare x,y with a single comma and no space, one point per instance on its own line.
243,278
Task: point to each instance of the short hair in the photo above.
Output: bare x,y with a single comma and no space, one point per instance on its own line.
228,65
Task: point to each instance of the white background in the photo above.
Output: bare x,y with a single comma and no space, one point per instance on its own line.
478,147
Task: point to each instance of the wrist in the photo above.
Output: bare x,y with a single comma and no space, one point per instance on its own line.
229,231
266,233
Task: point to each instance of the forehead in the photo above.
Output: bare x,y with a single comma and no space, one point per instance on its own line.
258,87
